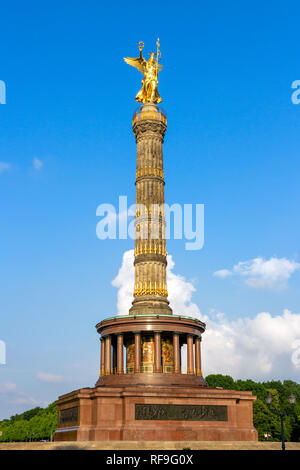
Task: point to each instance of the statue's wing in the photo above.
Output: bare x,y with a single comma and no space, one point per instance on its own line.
136,62
159,67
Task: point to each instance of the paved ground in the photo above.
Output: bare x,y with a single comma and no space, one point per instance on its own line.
148,445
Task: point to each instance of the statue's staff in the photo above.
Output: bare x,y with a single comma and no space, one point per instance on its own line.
141,47
158,55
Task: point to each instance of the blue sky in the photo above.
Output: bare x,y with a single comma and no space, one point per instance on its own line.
232,144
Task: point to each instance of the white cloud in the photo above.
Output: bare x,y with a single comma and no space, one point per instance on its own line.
273,273
8,387
258,348
37,164
222,273
180,292
24,399
261,347
4,167
124,281
49,378
18,398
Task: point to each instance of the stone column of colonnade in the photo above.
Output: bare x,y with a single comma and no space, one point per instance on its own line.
176,353
190,355
150,286
102,356
107,357
137,352
198,367
193,352
120,354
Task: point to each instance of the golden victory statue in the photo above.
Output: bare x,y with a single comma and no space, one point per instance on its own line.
149,92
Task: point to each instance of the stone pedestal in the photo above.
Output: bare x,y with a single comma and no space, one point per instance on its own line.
173,402
139,413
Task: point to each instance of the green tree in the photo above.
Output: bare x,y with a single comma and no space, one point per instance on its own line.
36,424
219,380
264,420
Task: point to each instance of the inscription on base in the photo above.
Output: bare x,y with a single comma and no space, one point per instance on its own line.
70,415
181,412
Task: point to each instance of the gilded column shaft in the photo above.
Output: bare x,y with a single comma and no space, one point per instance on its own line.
150,288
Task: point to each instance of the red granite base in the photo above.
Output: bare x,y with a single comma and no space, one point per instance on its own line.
109,413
